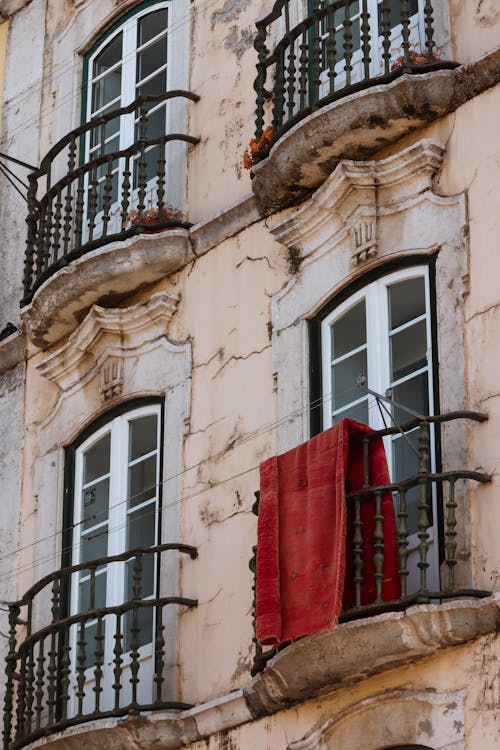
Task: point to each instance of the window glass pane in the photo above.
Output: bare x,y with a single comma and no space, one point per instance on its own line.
95,545
95,503
145,625
408,350
91,643
106,90
395,10
154,87
349,331
405,462
112,128
406,301
96,459
344,379
151,25
359,413
142,436
151,58
110,55
413,393
100,592
142,527
142,481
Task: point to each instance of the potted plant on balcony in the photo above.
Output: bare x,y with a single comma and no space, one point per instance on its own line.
159,217
255,147
415,57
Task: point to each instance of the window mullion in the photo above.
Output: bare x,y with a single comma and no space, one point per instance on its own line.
116,514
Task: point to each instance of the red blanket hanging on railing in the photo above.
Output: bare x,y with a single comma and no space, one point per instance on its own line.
302,562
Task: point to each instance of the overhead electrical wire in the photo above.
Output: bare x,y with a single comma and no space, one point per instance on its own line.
264,429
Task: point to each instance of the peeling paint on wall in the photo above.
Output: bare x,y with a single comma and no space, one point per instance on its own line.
230,10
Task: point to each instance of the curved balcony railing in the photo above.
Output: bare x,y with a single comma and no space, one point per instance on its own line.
85,195
427,484
67,668
338,49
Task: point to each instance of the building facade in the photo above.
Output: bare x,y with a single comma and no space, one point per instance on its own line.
225,227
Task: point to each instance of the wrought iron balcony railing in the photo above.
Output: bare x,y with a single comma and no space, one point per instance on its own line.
88,193
340,47
429,488
71,664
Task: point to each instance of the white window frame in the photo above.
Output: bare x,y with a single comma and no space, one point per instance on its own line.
379,380
116,580
175,113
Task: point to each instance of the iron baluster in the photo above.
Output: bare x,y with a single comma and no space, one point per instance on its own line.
160,181
385,32
315,53
98,662
260,80
142,173
68,209
118,659
429,30
303,69
403,541
10,669
65,672
348,45
451,534
378,546
365,39
357,544
40,674
42,216
125,204
21,694
135,627
30,689
291,79
53,652
81,659
331,49
68,217
57,226
159,653
405,30
279,91
423,507
92,202
80,193
106,200
32,221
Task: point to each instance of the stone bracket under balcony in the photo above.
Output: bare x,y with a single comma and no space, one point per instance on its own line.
106,276
355,651
361,124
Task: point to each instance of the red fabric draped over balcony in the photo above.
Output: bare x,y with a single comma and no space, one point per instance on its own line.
304,552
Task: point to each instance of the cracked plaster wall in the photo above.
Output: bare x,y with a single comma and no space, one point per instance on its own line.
11,421
468,675
474,28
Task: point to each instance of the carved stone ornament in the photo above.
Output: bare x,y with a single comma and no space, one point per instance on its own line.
102,340
111,378
348,206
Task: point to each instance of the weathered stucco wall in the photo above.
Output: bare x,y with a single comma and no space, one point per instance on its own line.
474,28
21,116
11,446
4,31
225,316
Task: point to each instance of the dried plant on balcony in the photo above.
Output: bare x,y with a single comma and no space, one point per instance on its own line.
255,147
415,57
152,216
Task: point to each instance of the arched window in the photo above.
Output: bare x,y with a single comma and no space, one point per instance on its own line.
138,56
379,339
115,509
